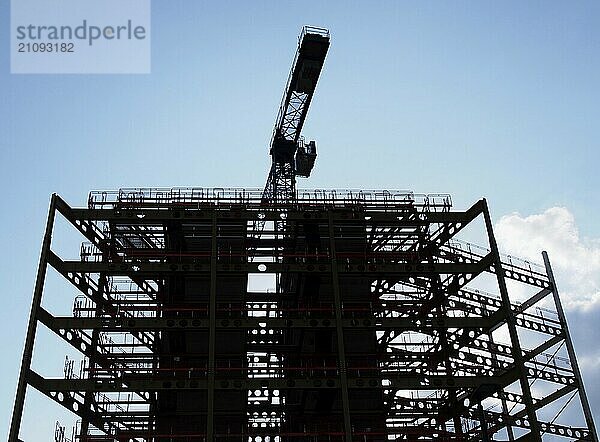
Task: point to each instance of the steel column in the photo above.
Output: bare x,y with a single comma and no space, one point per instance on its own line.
512,327
337,299
587,411
17,415
212,311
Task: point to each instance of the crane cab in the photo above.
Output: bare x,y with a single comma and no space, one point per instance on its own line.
306,154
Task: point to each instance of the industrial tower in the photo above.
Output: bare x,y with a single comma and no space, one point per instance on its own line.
295,315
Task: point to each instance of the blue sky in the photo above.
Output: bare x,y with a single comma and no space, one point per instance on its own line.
494,99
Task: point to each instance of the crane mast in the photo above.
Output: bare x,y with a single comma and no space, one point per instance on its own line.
290,155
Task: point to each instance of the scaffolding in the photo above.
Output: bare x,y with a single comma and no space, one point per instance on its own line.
212,315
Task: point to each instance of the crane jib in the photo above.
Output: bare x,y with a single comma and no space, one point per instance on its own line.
311,56
291,157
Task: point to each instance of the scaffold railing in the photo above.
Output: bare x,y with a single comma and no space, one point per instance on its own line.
191,197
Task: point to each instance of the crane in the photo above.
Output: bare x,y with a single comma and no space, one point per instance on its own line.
291,156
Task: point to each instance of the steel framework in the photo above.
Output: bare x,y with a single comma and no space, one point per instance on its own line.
369,323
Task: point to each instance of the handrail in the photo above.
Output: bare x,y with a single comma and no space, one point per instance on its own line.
189,196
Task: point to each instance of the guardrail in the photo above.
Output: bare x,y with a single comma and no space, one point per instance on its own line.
197,196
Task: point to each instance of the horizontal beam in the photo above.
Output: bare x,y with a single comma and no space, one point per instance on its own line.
140,384
259,212
137,269
135,324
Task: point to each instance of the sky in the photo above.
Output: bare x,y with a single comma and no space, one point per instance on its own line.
475,99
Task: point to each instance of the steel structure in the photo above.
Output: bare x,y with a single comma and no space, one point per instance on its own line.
373,334
287,315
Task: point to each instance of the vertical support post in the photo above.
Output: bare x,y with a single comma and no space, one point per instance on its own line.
485,437
94,344
509,428
17,415
212,323
517,352
587,411
440,301
337,299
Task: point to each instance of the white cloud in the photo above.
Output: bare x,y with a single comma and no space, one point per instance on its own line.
575,260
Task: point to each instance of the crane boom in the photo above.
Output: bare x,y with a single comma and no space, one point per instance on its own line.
290,155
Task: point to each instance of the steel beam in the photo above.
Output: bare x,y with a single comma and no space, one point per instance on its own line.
17,414
587,411
512,328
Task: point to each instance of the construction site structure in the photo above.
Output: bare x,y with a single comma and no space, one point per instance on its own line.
287,315
368,331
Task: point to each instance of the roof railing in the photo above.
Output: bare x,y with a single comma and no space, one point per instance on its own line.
190,196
